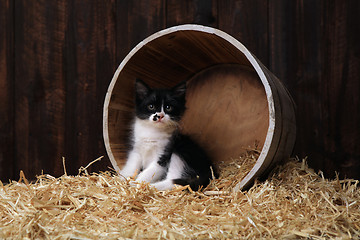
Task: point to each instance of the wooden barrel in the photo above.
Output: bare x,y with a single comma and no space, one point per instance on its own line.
233,100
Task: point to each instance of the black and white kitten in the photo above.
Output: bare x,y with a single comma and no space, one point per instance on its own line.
160,154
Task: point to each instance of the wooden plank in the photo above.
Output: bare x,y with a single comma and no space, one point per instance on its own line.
89,65
203,12
65,55
39,86
248,23
313,50
136,20
340,88
6,90
295,58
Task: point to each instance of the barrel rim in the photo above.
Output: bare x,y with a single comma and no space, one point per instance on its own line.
253,61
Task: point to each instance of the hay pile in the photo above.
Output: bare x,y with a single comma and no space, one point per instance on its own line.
294,203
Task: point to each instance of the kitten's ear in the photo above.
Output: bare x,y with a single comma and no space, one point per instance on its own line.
180,89
141,89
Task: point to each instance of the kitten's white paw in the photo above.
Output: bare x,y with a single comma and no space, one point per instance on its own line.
127,174
147,175
163,185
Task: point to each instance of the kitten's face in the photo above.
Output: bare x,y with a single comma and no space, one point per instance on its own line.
162,108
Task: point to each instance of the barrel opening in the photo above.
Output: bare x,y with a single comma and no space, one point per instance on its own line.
230,103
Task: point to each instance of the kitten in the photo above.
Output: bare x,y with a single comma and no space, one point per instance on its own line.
160,154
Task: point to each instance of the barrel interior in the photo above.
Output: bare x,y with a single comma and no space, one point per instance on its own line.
227,111
227,108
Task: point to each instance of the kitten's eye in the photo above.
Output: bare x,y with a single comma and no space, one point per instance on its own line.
168,108
151,107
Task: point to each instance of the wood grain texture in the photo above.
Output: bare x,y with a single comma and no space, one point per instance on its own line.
7,163
56,57
135,21
234,115
294,59
248,23
203,12
65,57
340,89
40,86
313,51
89,62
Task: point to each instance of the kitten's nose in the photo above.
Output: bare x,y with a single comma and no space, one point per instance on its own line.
158,116
161,115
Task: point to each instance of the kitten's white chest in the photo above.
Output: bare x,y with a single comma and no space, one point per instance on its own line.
149,142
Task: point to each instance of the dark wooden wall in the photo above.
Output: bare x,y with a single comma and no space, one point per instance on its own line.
58,57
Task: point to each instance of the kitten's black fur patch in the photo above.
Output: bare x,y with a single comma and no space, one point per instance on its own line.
197,172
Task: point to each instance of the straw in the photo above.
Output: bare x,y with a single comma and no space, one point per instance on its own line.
295,202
